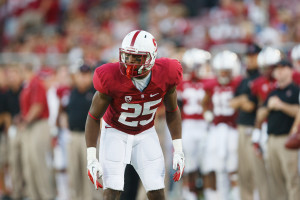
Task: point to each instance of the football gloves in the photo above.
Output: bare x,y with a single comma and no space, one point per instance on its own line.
95,172
178,164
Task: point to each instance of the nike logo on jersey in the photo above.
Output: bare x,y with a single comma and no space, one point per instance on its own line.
153,95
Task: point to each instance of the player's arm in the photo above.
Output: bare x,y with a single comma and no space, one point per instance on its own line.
173,119
98,107
206,102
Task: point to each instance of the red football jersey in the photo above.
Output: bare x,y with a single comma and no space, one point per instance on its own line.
131,110
220,96
261,87
191,93
34,93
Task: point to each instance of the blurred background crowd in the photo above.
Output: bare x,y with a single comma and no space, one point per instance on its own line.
49,49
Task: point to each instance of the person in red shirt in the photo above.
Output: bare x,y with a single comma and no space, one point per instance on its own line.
261,88
263,85
128,94
36,143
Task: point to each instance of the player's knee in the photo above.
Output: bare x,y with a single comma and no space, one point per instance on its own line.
109,194
156,194
209,180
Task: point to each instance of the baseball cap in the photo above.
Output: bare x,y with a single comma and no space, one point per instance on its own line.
253,49
284,63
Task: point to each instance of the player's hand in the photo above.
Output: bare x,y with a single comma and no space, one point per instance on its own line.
95,172
178,164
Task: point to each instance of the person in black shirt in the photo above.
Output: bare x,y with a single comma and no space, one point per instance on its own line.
280,109
16,169
4,125
251,170
79,104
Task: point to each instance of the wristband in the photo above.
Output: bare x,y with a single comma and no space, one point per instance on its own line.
177,145
93,116
173,110
91,153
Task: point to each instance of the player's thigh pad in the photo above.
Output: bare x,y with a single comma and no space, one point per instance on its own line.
147,159
112,155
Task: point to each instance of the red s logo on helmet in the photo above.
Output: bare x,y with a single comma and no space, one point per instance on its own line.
155,44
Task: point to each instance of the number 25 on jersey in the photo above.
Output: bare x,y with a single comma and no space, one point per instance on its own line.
139,110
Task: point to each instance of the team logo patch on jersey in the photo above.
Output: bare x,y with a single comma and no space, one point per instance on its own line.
128,98
289,93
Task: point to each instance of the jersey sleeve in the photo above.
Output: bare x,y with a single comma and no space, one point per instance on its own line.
175,73
100,84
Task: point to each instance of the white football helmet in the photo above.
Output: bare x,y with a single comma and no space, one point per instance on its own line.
295,54
196,62
268,57
142,43
226,61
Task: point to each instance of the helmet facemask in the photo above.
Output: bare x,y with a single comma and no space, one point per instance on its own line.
134,69
224,76
226,65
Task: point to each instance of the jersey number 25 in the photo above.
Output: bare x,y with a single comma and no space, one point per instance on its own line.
137,112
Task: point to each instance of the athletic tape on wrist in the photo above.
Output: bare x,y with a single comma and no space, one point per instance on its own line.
177,145
91,153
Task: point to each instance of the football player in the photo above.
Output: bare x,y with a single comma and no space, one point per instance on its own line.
191,93
223,138
295,55
260,89
128,95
